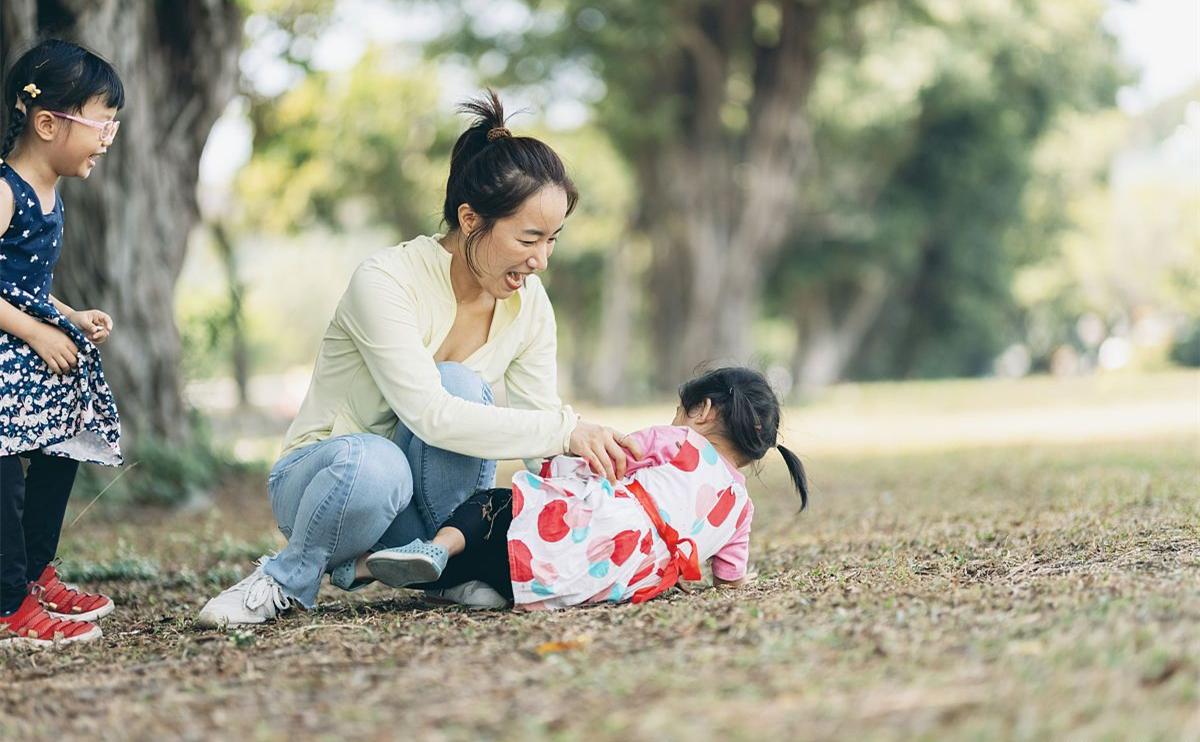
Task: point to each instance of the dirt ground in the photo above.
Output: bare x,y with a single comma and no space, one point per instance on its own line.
1004,591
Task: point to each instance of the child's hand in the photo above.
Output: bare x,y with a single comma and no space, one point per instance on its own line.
95,324
55,348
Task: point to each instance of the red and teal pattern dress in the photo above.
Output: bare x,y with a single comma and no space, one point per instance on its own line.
575,538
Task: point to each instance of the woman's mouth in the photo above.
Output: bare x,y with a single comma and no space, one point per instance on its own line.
514,280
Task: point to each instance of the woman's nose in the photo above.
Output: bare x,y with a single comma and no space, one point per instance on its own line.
539,260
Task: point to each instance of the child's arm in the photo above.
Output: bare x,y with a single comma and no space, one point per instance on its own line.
659,444
52,344
95,324
730,565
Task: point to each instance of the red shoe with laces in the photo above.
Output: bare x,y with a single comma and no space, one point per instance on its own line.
31,625
64,601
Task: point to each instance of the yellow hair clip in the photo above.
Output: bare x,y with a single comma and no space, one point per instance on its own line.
33,90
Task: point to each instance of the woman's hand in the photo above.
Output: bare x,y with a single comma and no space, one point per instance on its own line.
604,449
55,348
95,324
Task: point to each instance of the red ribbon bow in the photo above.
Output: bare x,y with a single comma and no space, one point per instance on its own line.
682,565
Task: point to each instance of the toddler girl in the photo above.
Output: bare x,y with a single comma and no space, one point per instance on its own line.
55,406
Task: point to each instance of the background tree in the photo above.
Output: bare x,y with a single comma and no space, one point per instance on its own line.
906,269
706,101
128,228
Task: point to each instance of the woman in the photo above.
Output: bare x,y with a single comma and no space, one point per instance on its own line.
397,428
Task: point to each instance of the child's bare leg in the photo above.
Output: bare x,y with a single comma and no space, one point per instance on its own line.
451,539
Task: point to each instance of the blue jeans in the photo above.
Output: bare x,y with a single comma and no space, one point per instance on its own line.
342,497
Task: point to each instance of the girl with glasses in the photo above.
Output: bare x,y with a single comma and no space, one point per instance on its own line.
60,103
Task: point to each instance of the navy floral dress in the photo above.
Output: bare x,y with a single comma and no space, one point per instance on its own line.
72,415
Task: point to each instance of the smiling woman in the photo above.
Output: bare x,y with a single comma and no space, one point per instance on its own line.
398,426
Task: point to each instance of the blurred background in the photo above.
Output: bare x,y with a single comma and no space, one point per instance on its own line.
837,192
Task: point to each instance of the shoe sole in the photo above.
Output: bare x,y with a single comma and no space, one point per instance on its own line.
401,570
24,641
91,615
434,597
221,623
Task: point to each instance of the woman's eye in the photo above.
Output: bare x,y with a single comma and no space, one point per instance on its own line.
528,244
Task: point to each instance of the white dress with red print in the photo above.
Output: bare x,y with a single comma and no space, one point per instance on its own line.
576,539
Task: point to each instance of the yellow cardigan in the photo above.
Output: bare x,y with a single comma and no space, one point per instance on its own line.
376,364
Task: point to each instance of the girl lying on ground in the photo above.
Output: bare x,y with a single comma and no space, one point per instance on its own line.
568,536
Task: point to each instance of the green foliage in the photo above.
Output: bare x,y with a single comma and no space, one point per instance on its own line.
367,147
156,473
926,137
1186,350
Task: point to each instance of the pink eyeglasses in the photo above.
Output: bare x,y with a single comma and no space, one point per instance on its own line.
108,129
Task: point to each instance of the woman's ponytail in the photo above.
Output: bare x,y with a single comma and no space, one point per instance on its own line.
494,172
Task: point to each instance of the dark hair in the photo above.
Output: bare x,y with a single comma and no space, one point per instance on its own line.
749,410
494,172
66,76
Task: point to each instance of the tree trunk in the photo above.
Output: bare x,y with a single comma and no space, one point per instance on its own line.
608,374
239,353
126,234
826,342
725,195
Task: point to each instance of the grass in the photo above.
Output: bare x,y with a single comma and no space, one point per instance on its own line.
936,589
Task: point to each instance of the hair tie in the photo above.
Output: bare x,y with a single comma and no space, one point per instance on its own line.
33,90
498,132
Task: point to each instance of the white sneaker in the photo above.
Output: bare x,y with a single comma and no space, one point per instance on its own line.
473,594
256,599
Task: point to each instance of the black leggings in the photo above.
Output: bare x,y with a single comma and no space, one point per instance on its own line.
484,519
30,526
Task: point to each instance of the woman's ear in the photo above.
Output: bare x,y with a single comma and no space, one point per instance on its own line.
705,412
468,220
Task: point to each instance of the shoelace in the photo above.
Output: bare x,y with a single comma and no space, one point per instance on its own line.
262,588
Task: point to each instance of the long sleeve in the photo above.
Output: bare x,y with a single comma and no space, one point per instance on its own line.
659,445
731,561
379,315
532,378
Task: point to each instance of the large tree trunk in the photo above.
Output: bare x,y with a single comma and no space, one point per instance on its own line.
724,196
127,229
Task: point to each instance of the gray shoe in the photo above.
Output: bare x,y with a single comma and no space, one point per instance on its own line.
413,563
473,594
343,577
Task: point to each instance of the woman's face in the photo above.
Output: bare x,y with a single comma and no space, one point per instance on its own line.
522,243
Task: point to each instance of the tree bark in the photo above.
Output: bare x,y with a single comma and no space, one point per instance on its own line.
724,196
126,234
826,339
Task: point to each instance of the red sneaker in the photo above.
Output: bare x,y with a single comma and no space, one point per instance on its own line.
64,601
33,626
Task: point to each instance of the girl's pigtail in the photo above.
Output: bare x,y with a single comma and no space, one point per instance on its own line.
16,125
796,469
